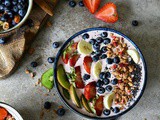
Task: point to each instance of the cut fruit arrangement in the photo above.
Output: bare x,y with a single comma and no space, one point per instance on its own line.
97,72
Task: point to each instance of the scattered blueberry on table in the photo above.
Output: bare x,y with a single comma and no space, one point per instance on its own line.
47,105
135,23
61,111
55,44
72,3
50,60
34,64
81,4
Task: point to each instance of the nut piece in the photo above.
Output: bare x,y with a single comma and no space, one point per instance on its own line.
5,26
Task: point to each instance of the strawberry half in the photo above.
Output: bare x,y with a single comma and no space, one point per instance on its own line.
108,13
78,81
92,5
73,60
99,106
87,64
68,52
90,90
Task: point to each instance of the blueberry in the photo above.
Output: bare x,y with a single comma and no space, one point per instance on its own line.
7,2
47,105
99,40
6,9
93,53
114,81
34,64
98,53
103,56
96,46
99,83
109,61
72,3
116,60
106,41
116,110
15,9
20,6
4,17
55,45
104,49
13,23
92,41
2,40
135,23
81,4
14,2
95,58
104,34
61,111
22,12
109,88
106,68
50,60
86,76
2,7
10,14
108,74
101,75
106,112
101,90
85,36
106,81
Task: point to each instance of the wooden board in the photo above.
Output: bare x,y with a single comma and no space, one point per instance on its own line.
20,40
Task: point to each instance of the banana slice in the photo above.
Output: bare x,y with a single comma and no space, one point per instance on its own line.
108,100
134,55
97,69
84,47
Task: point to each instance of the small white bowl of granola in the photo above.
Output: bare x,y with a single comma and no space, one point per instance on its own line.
8,113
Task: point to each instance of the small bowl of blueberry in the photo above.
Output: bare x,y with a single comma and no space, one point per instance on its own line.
13,13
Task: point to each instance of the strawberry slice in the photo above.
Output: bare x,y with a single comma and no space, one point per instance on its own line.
108,13
90,90
68,52
87,64
73,60
78,81
92,5
99,106
3,113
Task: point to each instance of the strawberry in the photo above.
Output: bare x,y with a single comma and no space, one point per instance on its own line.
90,90
99,106
78,81
3,113
87,64
108,13
92,5
73,60
68,52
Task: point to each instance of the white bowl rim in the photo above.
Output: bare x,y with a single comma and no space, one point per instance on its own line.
11,110
23,20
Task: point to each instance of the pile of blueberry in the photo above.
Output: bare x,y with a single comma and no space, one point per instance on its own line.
72,3
12,12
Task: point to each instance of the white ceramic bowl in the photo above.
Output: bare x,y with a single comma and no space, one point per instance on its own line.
12,111
30,4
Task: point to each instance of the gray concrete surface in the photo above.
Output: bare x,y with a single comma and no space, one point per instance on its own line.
20,92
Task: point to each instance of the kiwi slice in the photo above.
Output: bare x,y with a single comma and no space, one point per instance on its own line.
47,79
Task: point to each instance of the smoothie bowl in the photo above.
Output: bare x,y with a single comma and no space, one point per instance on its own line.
8,113
100,73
